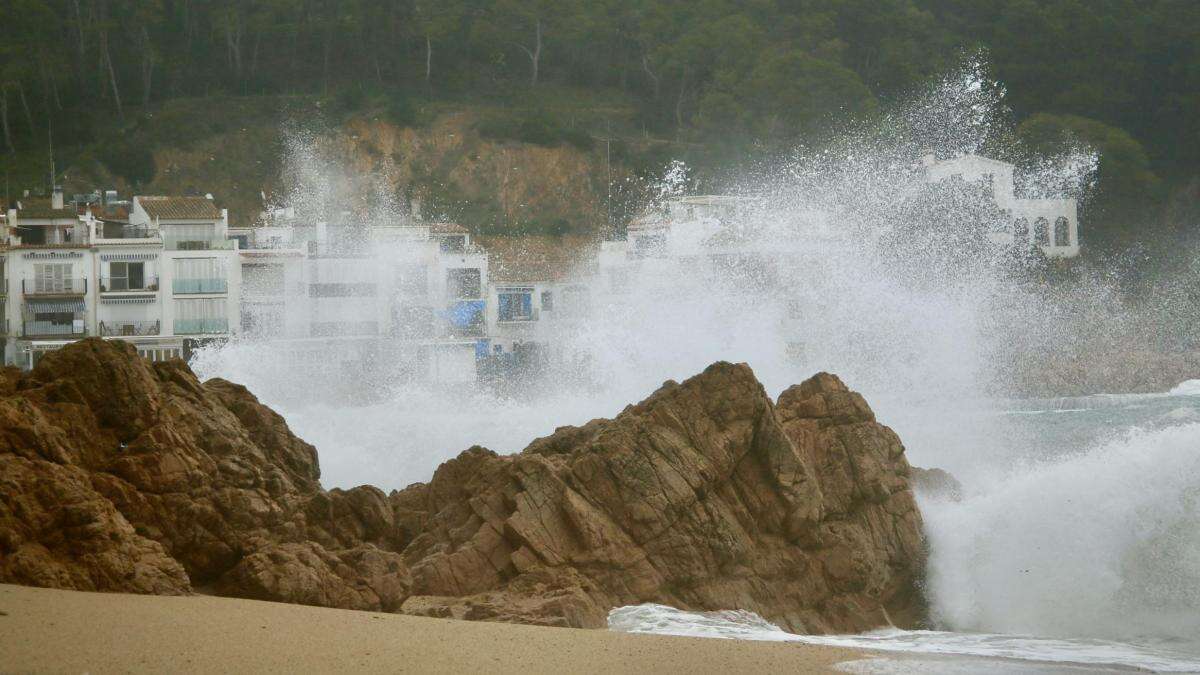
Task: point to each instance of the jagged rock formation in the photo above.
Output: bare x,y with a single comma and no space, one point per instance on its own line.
936,484
118,474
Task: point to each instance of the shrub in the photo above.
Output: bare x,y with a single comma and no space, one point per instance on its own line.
349,99
133,161
579,138
401,112
536,128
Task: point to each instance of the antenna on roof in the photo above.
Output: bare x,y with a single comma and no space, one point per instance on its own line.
50,142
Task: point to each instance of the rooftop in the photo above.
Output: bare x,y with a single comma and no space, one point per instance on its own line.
180,208
40,209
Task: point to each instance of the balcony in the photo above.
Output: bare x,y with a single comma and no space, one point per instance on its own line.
54,329
199,286
127,285
201,326
116,233
128,328
44,287
185,243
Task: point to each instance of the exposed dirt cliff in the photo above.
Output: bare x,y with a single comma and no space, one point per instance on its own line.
122,475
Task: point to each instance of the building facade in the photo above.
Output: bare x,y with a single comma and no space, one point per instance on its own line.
159,273
1050,224
399,300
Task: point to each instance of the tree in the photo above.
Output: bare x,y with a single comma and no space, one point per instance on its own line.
437,20
1128,190
794,94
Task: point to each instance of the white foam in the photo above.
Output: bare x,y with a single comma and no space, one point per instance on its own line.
1187,388
742,625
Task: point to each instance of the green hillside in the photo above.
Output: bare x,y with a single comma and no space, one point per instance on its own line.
134,92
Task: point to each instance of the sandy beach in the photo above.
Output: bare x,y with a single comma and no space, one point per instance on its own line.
43,630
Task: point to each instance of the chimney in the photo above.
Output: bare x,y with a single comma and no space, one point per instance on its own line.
56,197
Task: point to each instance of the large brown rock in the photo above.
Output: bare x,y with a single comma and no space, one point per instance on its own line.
704,496
123,475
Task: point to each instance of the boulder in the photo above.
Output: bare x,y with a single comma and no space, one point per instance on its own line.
704,496
123,475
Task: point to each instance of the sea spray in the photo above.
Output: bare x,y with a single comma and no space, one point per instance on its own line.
1104,543
891,284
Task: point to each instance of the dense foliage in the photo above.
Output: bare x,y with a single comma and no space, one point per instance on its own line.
1122,73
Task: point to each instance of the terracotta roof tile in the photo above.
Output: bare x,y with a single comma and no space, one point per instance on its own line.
180,208
40,209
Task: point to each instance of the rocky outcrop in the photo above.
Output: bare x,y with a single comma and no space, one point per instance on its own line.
705,495
125,475
936,484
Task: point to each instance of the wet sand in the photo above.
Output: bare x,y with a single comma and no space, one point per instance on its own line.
44,630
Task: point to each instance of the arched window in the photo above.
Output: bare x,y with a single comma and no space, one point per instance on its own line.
1041,232
1062,232
1021,233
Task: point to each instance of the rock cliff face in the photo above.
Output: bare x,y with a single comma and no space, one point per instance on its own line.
117,474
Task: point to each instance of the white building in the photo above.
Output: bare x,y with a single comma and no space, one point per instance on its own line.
160,275
400,299
1051,224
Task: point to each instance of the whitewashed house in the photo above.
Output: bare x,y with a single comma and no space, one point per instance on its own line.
1050,224
395,299
160,275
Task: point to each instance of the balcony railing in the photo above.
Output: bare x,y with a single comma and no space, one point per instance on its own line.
111,232
518,317
177,243
69,286
201,326
51,329
199,286
129,328
123,285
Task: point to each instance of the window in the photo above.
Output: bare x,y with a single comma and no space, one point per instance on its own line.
263,280
515,304
53,278
649,244
1021,233
463,284
200,315
1041,232
55,318
125,276
453,244
190,237
547,301
199,275
1062,232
